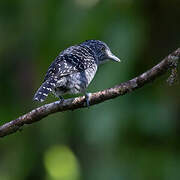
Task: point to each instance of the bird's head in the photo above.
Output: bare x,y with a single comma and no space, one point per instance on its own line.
102,51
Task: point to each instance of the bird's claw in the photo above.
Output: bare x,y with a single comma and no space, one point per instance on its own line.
87,98
61,99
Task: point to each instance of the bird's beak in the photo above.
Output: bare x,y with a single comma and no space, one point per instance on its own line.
111,56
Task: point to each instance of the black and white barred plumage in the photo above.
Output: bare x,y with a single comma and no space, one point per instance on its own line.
74,68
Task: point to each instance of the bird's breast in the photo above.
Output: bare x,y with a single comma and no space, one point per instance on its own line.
78,82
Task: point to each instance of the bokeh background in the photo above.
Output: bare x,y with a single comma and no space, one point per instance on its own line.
136,136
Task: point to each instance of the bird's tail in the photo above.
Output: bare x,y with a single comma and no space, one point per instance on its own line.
44,90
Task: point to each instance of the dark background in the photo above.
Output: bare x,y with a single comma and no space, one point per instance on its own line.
136,136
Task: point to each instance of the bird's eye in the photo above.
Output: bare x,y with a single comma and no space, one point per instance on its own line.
103,48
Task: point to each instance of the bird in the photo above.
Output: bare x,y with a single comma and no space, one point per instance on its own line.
73,70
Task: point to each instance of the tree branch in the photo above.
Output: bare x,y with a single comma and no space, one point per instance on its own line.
170,62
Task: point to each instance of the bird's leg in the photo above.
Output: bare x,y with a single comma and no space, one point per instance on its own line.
87,98
61,99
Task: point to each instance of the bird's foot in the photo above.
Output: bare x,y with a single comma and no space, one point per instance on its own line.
87,98
61,99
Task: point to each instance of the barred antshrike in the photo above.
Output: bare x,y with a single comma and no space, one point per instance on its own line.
73,69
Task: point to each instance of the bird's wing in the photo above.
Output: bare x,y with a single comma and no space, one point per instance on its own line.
72,60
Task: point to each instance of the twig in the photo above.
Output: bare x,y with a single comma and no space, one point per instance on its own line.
170,62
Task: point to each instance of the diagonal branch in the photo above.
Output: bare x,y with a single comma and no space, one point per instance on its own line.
170,62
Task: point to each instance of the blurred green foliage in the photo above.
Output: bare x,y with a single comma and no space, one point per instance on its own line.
131,137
